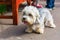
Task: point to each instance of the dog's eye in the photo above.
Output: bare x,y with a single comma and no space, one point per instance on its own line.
30,15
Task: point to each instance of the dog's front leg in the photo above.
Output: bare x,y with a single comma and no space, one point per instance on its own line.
40,27
40,30
29,30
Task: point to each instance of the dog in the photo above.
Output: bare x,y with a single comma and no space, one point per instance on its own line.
36,19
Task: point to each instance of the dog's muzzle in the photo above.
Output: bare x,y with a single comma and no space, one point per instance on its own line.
24,21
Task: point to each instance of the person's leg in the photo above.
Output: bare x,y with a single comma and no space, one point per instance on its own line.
50,3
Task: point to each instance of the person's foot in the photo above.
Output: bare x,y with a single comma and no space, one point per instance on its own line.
50,8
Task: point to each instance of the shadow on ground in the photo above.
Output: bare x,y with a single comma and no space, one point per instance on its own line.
13,31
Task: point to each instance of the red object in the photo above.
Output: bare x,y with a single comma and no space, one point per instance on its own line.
38,6
15,6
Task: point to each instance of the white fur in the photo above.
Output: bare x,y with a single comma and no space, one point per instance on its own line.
39,16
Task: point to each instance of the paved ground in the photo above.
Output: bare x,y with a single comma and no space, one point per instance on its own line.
16,32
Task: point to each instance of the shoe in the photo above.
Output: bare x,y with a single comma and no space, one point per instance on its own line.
50,8
53,8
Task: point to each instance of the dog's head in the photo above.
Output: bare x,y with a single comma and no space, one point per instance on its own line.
30,14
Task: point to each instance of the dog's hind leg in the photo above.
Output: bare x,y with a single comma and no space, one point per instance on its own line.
51,22
52,25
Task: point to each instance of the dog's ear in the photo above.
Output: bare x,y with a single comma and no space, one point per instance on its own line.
36,11
37,14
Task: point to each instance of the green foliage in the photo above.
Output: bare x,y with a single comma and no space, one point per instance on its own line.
2,8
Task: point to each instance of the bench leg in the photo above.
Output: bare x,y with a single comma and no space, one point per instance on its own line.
15,13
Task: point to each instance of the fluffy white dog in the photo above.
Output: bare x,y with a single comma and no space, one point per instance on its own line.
36,19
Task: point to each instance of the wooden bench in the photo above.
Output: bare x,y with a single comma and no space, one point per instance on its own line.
15,6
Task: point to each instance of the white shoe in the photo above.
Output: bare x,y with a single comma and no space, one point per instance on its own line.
51,9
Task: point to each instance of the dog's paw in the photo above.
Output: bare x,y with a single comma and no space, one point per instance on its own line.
53,26
28,30
40,31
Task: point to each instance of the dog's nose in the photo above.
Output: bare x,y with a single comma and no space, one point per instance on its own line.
24,18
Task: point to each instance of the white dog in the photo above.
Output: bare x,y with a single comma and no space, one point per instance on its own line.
36,19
